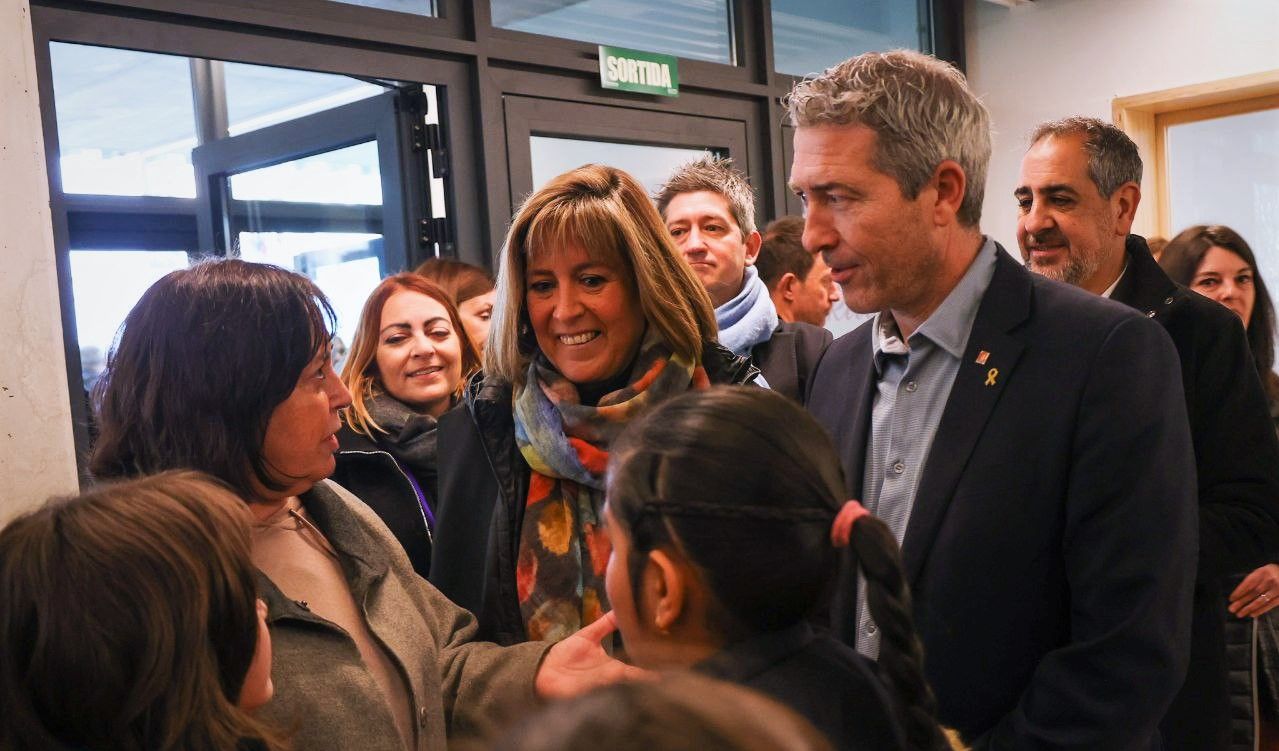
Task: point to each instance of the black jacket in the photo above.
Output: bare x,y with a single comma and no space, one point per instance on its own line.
1237,458
1051,545
370,472
788,358
824,681
483,487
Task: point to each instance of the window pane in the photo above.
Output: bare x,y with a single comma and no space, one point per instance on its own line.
343,176
651,165
810,36
416,7
106,284
696,29
126,123
346,265
258,96
1226,171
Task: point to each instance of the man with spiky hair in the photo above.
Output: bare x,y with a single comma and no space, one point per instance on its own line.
709,210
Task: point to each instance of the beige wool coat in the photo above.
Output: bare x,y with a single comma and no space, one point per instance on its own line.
324,693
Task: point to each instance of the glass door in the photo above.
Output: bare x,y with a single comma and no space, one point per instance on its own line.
341,195
548,137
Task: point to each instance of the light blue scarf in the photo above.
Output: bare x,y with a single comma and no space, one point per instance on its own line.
749,318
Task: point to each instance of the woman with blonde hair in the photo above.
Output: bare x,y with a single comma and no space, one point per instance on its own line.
129,619
598,319
408,363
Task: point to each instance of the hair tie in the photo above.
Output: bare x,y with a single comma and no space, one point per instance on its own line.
842,527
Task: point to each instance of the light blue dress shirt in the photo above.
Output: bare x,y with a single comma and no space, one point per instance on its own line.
914,382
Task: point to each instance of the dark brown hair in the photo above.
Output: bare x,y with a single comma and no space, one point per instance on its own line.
459,279
128,620
1181,259
1113,158
783,251
204,358
710,474
360,373
680,712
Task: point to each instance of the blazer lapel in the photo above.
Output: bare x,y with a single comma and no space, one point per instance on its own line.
851,407
988,364
779,365
842,405
1144,285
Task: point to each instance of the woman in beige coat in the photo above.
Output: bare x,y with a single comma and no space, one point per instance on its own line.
225,368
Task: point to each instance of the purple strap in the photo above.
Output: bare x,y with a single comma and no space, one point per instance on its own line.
417,490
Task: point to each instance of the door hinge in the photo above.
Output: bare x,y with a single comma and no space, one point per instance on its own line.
433,230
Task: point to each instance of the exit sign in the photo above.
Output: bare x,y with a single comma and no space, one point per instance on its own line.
641,72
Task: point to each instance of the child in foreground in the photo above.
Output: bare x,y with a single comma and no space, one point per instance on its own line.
726,515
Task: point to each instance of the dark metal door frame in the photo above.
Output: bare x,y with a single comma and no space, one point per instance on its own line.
378,119
528,116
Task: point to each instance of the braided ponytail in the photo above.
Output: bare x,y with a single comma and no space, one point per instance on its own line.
901,654
746,484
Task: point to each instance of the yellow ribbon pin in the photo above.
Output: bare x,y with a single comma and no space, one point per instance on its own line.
991,375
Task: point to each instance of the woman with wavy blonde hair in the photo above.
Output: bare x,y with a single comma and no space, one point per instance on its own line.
598,319
409,360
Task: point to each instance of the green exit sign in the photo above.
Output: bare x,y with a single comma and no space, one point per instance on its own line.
642,72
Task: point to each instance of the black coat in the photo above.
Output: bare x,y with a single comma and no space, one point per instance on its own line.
483,488
825,681
790,355
1051,544
1237,458
369,471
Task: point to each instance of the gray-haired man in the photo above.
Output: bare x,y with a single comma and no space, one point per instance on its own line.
1026,441
1078,194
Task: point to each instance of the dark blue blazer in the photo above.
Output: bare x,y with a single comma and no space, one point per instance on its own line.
1052,544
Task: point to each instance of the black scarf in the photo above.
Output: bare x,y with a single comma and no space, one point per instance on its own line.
410,437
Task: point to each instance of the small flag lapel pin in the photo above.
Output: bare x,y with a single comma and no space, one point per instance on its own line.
982,357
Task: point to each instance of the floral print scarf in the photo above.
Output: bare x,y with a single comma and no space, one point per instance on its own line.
563,548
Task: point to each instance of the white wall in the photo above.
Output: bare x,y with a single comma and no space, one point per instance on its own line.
37,455
1054,58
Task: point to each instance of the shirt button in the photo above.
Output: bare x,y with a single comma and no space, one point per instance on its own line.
899,468
911,386
421,717
870,629
1167,301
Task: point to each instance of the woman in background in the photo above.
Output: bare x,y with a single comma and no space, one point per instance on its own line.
129,619
471,289
598,320
726,515
1217,262
408,363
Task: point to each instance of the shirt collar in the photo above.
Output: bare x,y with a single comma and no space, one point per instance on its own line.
950,324
1111,289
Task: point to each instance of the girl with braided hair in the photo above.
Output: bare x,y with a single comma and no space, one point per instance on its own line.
725,512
